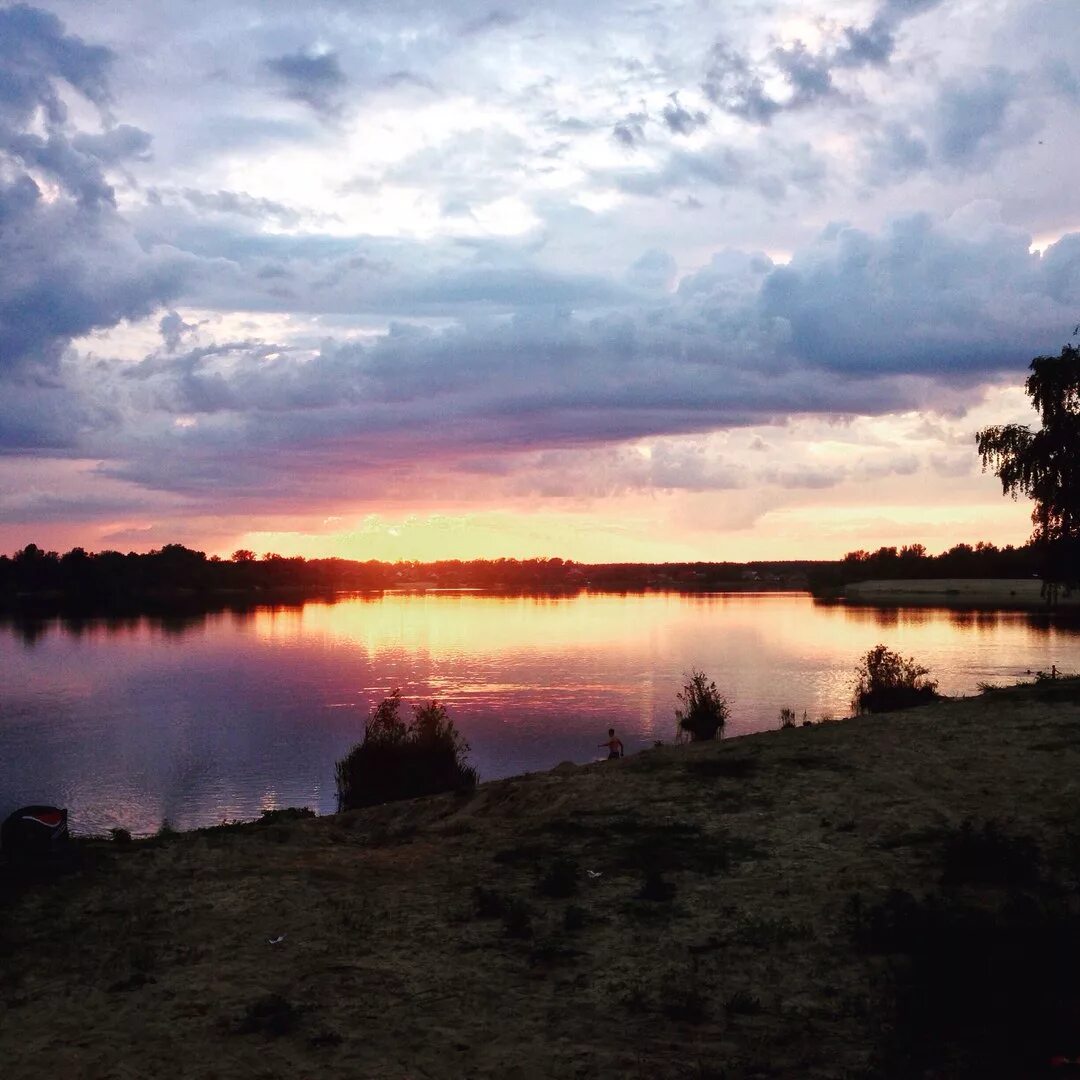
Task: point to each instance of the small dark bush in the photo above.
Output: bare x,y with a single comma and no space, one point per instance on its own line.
762,931
886,681
272,1015
522,853
687,1005
742,1001
655,888
991,991
561,879
120,837
551,952
285,814
988,856
488,903
514,913
402,761
518,920
729,765
702,712
575,918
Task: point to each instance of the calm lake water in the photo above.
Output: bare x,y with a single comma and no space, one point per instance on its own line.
129,722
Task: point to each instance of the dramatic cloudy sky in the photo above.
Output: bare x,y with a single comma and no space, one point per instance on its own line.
617,280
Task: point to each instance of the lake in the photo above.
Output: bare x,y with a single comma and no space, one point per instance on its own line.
200,719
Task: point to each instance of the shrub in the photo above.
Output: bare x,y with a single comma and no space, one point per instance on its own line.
989,856
787,718
702,712
561,879
887,681
396,760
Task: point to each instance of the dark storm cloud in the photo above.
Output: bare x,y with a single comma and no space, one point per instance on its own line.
921,299
70,264
240,204
736,83
971,115
733,85
493,20
121,143
769,171
34,51
808,74
680,121
173,328
971,123
315,79
630,130
903,316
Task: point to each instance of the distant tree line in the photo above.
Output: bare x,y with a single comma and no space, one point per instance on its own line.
983,560
112,579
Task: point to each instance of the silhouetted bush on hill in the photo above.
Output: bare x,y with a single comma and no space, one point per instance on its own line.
887,681
399,760
702,712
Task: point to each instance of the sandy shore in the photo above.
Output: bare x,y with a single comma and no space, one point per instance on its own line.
681,913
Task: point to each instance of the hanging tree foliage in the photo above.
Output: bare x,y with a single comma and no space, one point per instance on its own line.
1044,465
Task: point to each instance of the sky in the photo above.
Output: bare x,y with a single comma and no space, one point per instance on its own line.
645,281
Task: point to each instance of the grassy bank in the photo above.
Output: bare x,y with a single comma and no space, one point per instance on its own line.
945,592
719,910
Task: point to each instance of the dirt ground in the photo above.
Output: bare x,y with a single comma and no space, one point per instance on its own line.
685,912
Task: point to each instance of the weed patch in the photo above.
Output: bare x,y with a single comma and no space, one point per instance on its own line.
992,991
823,762
656,889
574,918
272,1016
673,849
687,1004
523,853
760,931
514,913
744,1003
730,766
988,856
560,880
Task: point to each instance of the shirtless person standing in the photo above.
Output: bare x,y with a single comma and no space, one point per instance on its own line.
614,744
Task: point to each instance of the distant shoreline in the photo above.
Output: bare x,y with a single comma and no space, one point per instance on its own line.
956,593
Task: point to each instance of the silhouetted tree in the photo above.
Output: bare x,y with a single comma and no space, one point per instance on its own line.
1044,465
399,760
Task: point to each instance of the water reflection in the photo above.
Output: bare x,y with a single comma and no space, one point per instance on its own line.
203,715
